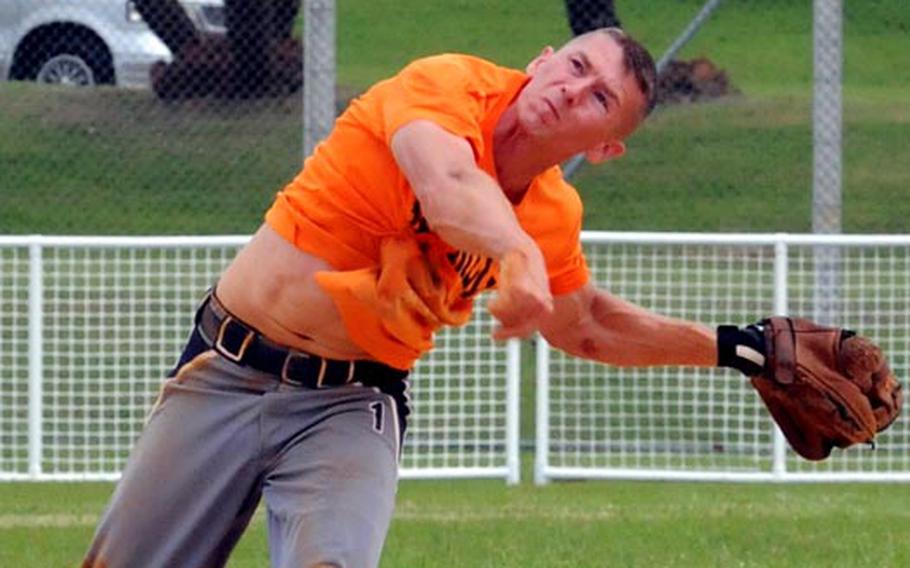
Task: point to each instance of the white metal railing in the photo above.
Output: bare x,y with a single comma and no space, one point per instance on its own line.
593,421
90,326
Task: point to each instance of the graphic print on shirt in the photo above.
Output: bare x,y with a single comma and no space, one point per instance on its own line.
473,269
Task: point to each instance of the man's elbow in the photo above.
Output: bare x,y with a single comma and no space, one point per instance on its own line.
588,348
600,349
578,345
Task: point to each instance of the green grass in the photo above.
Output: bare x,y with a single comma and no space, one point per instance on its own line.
117,162
765,44
745,164
484,523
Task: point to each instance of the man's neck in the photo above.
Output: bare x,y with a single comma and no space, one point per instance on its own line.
519,158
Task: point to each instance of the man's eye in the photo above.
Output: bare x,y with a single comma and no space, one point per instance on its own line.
602,99
577,65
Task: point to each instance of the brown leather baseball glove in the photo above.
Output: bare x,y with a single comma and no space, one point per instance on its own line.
824,386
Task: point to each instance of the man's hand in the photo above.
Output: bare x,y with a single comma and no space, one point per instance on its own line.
411,296
523,298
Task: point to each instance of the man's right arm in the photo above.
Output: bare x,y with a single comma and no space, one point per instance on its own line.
467,209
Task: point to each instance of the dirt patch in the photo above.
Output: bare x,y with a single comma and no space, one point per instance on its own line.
692,81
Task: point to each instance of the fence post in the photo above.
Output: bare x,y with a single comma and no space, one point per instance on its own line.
826,149
781,258
318,72
35,357
513,411
542,420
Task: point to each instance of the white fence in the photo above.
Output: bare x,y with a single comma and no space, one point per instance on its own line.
90,325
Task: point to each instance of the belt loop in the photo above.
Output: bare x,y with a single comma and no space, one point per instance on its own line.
287,363
203,305
322,365
284,367
351,366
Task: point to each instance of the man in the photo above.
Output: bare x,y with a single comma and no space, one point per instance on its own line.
434,185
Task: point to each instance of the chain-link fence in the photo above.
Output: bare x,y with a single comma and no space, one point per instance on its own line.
194,112
187,120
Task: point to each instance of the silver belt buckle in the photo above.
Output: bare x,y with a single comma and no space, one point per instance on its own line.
218,345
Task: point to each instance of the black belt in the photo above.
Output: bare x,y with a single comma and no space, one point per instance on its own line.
240,343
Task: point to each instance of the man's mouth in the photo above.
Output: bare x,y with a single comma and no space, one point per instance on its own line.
552,108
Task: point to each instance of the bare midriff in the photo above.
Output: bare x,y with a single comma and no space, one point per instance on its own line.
270,285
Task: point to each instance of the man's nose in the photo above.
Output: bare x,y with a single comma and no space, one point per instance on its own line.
572,93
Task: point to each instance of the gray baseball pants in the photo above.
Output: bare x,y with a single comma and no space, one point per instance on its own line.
222,436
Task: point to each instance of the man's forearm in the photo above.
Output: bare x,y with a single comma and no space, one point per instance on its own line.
642,339
599,326
473,215
460,202
468,209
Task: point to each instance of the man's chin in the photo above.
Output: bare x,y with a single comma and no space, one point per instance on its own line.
539,128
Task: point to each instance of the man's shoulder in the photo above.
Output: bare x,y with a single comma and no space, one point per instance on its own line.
553,184
552,201
462,60
462,67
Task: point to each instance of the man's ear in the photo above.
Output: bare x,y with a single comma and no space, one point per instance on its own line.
535,63
605,151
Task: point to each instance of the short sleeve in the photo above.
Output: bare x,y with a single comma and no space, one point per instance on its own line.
566,264
552,214
438,89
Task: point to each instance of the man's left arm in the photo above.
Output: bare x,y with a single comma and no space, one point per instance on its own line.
594,324
841,393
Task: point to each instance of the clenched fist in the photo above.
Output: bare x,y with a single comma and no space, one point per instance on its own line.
523,299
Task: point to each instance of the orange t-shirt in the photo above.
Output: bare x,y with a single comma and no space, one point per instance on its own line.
351,196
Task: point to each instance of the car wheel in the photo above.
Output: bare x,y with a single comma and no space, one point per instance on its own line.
64,55
66,69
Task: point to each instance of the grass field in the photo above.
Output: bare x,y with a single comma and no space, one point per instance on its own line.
120,162
744,164
571,525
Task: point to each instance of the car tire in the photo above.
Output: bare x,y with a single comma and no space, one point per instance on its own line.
63,57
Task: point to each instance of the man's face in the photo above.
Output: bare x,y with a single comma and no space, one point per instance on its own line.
580,96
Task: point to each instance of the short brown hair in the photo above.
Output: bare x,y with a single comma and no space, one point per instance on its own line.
636,60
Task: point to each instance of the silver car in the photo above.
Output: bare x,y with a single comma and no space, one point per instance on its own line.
87,42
